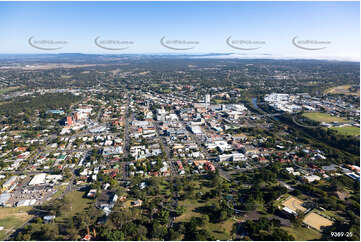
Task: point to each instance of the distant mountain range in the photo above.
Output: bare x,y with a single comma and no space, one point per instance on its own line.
81,57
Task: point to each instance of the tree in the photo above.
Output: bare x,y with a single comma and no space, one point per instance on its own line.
163,216
299,218
158,231
180,210
173,235
141,233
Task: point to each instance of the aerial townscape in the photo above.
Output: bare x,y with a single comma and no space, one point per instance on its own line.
178,149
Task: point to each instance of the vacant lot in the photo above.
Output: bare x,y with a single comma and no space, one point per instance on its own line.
12,218
323,117
316,221
348,130
344,89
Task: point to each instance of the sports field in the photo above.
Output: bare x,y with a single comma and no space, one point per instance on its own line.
348,130
317,221
294,204
323,117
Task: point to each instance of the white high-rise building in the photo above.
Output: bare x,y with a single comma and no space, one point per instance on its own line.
208,100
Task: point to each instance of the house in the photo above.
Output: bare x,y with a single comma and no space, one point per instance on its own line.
48,219
137,203
209,166
311,178
92,193
180,166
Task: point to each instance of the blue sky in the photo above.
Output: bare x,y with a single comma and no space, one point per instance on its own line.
209,23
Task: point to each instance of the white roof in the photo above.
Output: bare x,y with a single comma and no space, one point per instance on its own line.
288,210
38,179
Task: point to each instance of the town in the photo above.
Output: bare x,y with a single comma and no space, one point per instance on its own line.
168,154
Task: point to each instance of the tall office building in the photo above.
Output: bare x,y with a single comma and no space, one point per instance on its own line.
208,100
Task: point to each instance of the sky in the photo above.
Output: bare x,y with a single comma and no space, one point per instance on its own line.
204,26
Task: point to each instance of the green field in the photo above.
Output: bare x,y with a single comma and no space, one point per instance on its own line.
348,130
12,218
220,101
77,205
302,233
323,117
8,89
221,231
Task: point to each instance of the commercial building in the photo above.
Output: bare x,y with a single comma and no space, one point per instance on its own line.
196,130
38,179
4,198
9,183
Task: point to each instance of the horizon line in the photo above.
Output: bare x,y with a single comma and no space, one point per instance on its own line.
213,55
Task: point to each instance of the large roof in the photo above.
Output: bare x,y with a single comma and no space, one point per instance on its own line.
38,179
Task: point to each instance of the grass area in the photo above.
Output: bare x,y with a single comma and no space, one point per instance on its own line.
221,231
281,199
164,188
302,233
220,101
189,206
60,190
192,204
12,218
127,204
2,234
323,117
8,89
77,205
343,89
348,130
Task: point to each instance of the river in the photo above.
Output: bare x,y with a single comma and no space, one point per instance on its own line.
254,102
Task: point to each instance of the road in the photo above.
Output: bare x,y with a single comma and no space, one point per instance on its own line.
302,125
225,175
170,161
124,164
